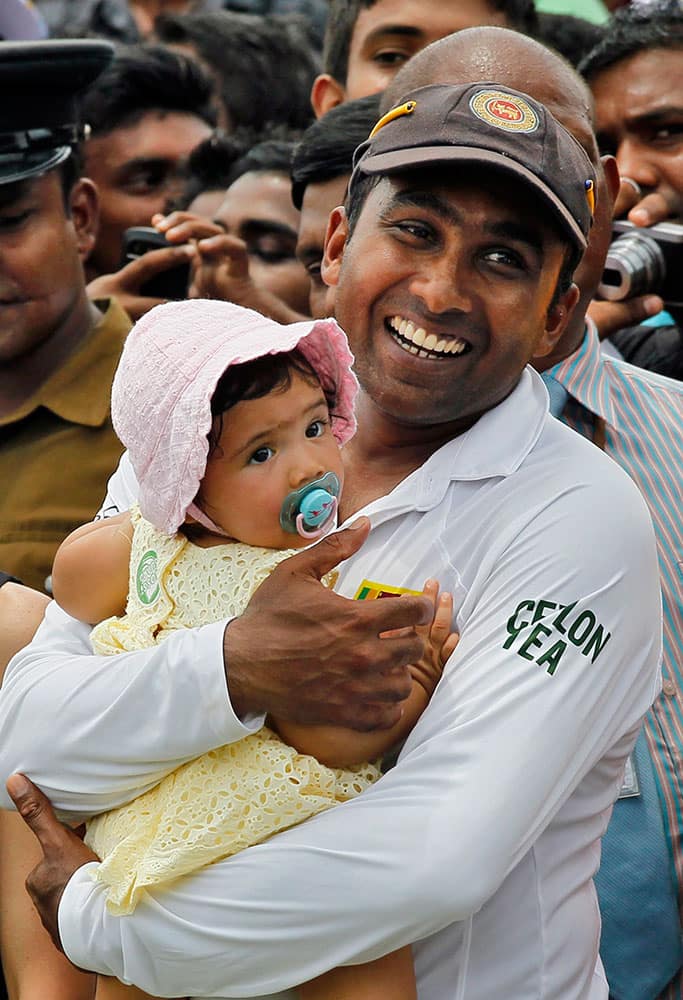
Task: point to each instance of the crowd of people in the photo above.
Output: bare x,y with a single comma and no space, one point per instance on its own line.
306,304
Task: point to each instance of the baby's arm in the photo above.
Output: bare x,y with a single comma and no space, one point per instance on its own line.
339,747
90,571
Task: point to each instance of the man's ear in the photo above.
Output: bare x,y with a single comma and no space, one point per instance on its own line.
335,240
612,178
84,213
557,320
326,93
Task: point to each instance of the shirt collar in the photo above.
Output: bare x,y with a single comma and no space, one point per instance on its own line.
495,446
584,376
80,390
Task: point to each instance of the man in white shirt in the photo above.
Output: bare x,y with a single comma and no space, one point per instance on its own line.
467,213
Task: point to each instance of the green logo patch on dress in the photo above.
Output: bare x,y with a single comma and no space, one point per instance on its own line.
147,578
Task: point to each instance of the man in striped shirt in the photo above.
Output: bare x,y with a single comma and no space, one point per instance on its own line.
636,417
635,74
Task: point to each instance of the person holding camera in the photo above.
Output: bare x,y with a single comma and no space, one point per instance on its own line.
146,113
636,76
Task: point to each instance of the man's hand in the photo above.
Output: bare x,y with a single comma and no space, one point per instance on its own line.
612,316
642,210
302,653
647,209
125,284
63,851
220,269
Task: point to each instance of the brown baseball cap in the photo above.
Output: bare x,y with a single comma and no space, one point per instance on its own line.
490,125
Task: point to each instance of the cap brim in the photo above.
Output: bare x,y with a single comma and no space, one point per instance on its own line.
420,156
32,165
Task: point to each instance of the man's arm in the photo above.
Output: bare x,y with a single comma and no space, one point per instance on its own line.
115,726
358,881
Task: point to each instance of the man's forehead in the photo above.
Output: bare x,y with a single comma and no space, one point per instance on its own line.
644,83
441,189
387,16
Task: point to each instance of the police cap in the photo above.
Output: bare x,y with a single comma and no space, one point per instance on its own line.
42,81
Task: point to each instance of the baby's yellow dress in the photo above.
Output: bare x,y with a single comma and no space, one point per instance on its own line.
229,798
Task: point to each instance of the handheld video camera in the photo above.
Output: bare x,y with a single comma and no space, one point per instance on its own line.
642,260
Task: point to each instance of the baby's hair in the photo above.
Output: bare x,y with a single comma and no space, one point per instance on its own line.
257,378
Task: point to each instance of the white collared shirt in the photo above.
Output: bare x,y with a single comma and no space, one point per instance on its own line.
481,843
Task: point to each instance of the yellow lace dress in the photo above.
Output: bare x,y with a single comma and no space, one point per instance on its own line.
229,798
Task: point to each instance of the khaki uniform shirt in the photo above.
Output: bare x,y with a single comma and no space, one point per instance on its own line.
57,451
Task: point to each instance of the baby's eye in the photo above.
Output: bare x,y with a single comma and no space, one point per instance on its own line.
261,455
316,428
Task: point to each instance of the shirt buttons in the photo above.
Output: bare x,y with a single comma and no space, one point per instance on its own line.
669,688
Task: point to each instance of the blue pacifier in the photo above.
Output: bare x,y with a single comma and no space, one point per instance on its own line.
309,510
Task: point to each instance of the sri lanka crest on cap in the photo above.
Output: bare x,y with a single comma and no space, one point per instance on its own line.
502,110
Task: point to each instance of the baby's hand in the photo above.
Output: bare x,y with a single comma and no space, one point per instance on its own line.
439,640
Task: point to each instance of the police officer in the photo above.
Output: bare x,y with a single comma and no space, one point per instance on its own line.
58,350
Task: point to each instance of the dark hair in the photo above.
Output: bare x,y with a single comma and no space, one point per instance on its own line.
69,172
208,167
633,29
572,37
265,66
356,197
143,78
269,156
314,11
566,275
343,14
327,146
218,161
256,379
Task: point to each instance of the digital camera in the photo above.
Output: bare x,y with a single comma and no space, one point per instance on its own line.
642,260
169,284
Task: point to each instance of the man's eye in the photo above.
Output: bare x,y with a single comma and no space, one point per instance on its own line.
271,250
147,182
417,230
261,455
313,271
668,134
507,258
316,428
13,221
390,58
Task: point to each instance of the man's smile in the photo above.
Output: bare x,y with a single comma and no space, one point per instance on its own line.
416,340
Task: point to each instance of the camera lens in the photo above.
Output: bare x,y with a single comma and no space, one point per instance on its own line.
635,265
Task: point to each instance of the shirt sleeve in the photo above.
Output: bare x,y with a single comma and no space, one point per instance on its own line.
122,490
102,743
529,703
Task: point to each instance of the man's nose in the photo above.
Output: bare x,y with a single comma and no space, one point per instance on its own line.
442,286
634,162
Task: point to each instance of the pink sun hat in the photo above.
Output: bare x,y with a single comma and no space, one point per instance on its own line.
171,363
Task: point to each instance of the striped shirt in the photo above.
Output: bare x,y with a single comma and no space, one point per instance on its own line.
643,432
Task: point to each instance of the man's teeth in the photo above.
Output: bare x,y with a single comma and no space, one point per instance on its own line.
415,340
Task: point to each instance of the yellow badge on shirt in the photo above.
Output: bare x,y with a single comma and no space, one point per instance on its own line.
371,591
